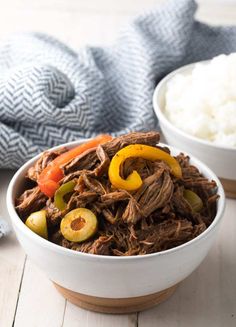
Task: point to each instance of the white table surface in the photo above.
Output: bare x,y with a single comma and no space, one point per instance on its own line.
27,297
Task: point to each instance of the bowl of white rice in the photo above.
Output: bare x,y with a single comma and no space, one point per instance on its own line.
196,109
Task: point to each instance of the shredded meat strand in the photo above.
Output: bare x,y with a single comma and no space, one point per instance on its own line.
30,201
47,157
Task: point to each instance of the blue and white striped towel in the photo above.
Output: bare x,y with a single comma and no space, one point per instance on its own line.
50,94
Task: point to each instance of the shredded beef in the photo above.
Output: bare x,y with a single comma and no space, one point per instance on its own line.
99,246
149,138
113,197
54,215
154,218
80,200
90,183
154,193
31,200
87,160
48,156
102,168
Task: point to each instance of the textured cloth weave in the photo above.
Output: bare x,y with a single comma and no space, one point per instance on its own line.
4,228
50,94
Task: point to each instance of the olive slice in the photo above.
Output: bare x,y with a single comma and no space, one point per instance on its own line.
79,225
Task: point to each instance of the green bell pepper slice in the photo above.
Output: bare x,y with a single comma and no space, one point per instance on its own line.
194,200
64,189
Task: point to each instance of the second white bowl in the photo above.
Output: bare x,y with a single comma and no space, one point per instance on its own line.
219,158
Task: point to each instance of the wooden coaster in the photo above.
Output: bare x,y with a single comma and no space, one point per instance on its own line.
229,187
107,305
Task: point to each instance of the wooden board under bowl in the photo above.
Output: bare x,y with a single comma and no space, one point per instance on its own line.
229,187
112,305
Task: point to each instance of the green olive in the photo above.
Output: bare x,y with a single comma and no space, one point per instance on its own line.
194,200
79,225
37,222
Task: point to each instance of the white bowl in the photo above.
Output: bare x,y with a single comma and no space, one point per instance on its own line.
107,276
221,159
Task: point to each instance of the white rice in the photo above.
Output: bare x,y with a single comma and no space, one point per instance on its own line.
203,103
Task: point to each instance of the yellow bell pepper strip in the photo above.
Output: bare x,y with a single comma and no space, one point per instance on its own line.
194,200
37,222
64,189
79,225
134,181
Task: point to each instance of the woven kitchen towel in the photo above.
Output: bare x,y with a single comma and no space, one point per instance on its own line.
50,94
4,228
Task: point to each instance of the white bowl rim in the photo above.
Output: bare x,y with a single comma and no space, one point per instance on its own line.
163,117
59,249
